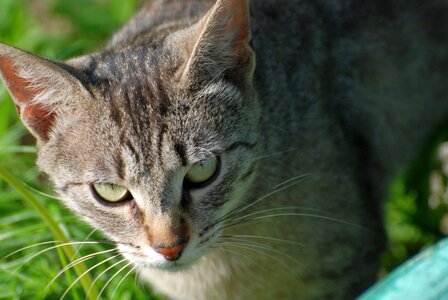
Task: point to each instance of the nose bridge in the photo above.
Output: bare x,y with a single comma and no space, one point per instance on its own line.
163,190
167,230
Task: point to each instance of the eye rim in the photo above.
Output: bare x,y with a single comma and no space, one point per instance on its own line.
125,199
188,185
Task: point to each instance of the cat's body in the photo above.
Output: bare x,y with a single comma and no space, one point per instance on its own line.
342,95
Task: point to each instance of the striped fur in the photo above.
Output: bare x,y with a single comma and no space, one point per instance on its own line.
312,107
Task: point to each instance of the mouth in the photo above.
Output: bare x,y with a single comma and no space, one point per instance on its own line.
184,263
170,266
175,266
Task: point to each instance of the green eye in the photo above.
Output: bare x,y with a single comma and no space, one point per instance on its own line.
202,171
111,192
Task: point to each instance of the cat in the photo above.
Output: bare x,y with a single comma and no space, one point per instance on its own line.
238,150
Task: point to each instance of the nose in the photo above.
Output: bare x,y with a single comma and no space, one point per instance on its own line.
171,253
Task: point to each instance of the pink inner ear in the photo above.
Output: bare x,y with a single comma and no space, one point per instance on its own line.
38,118
20,88
240,21
242,45
240,24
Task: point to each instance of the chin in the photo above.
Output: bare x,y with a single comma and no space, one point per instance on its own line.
147,259
169,266
174,266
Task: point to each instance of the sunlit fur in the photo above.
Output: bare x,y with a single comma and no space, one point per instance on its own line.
311,115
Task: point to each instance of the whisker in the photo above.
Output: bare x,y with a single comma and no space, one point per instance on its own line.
137,279
312,216
101,274
278,188
28,247
110,280
121,281
139,282
31,257
263,247
60,245
275,209
87,271
78,261
244,236
80,247
286,214
54,247
243,256
235,224
245,206
266,254
233,252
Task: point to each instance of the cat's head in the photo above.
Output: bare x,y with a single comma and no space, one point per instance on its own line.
150,143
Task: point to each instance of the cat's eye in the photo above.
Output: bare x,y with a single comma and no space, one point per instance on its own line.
111,192
202,172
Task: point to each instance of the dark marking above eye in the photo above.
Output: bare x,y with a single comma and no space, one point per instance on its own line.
120,167
184,108
134,152
163,129
181,152
163,108
115,115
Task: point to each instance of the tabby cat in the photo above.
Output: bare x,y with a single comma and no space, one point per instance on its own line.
238,150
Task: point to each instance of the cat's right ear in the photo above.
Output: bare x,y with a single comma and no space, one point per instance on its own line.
220,43
39,88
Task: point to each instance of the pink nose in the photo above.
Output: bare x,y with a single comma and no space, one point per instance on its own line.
171,253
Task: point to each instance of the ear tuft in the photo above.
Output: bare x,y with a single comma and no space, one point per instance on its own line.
38,87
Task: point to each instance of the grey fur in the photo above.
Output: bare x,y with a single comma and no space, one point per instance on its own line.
344,91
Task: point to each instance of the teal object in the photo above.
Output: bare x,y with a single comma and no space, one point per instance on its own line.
423,277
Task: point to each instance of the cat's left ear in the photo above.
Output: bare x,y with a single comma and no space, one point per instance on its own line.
220,43
39,88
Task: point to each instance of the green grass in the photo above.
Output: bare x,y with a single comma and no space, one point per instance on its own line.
57,29
60,29
412,224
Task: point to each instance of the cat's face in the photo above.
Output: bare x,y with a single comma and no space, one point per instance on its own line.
151,139
148,143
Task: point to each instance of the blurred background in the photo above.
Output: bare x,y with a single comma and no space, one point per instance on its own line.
416,212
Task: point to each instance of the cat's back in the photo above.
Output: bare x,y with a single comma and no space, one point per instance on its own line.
275,20
376,69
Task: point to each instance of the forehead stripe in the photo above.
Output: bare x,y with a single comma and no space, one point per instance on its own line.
181,152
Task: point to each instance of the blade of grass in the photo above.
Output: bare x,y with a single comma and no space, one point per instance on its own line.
54,227
18,149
